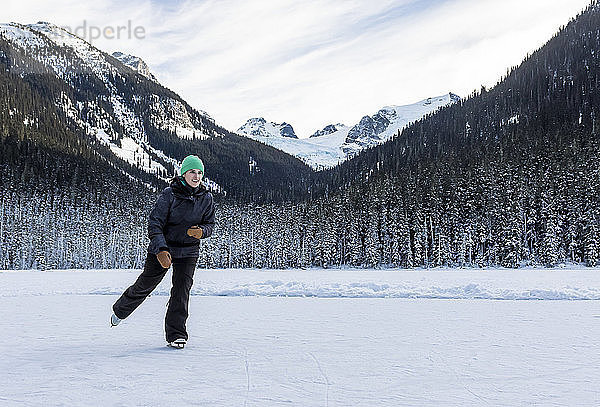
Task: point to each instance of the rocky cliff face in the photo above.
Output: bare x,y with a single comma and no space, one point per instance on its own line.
259,127
135,63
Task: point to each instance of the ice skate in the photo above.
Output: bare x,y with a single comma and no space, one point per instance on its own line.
114,320
177,343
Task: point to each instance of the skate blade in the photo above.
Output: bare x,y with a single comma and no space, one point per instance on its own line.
176,345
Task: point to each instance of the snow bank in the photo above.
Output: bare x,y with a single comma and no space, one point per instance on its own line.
448,284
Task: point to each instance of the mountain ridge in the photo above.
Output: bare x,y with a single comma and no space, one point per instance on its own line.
335,144
140,122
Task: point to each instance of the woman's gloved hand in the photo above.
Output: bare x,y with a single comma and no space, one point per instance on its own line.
195,231
164,258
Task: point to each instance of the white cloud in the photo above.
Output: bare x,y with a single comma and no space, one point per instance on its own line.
311,62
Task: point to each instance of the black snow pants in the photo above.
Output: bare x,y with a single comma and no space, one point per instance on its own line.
177,310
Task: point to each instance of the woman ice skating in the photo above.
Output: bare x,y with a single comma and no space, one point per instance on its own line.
183,214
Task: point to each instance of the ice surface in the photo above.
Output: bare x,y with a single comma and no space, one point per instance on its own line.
494,284
57,347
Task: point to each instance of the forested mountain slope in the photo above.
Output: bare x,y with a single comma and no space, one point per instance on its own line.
141,127
508,176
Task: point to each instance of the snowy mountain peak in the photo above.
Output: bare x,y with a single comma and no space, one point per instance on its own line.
286,130
337,142
259,127
21,36
46,26
59,35
257,120
43,36
389,120
329,129
135,63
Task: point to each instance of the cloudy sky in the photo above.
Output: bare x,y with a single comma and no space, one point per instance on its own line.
312,62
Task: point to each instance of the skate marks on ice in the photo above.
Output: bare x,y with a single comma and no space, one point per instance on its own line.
312,351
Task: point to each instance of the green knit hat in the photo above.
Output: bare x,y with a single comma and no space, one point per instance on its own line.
191,162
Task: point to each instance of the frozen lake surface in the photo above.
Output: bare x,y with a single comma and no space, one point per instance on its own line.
307,338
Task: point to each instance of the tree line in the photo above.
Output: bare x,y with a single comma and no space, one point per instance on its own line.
507,177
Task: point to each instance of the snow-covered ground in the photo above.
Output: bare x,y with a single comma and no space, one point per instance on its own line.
307,338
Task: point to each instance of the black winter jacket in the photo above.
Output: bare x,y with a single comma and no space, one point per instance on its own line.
177,209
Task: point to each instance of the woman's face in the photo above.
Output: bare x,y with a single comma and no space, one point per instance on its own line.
193,177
